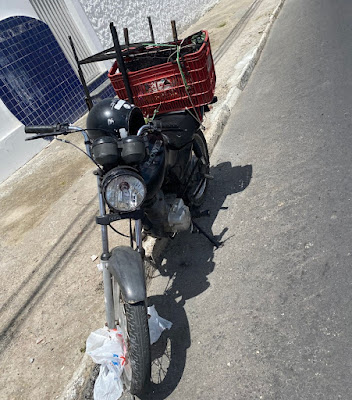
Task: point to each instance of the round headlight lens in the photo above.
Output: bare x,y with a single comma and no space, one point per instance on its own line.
125,192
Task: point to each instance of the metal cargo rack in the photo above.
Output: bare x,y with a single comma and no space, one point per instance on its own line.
118,52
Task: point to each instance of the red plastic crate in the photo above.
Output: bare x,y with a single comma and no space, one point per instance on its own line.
161,87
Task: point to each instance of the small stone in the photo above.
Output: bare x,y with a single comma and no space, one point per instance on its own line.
308,245
93,257
31,360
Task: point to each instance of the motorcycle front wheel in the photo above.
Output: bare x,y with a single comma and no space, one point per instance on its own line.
133,321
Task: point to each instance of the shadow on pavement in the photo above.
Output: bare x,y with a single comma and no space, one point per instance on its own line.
186,262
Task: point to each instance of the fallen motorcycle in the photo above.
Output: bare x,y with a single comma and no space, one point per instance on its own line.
155,175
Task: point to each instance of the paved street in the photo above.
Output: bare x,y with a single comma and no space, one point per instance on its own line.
268,316
51,292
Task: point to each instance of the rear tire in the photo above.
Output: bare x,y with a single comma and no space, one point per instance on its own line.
199,183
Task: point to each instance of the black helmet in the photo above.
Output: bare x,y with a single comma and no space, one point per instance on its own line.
114,116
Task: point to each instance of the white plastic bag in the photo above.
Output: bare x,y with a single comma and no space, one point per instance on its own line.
107,386
105,346
156,324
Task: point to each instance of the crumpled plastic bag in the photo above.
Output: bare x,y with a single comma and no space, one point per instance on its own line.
157,324
107,386
105,346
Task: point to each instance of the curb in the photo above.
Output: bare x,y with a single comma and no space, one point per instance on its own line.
80,380
222,113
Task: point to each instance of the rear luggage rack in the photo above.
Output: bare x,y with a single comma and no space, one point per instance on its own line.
158,77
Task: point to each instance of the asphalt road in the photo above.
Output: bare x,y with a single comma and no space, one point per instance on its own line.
268,315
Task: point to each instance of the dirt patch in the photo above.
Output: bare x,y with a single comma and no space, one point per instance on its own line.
26,199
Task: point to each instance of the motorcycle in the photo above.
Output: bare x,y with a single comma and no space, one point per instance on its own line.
154,174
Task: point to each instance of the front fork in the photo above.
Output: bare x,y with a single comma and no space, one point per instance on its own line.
107,277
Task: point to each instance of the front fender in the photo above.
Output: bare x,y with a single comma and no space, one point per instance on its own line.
126,266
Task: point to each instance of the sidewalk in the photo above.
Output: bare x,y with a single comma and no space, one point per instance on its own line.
51,293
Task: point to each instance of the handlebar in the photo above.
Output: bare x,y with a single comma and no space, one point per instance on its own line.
39,136
157,126
43,129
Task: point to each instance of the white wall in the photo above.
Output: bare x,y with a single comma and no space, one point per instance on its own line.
14,151
85,28
10,8
82,22
132,14
8,122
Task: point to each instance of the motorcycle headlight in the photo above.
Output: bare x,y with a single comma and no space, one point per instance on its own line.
123,190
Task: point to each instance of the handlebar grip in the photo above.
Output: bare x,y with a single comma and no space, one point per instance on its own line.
40,128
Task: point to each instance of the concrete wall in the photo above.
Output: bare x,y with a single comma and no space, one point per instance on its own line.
10,8
84,26
133,15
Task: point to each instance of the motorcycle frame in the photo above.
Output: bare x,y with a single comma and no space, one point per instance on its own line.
107,276
124,282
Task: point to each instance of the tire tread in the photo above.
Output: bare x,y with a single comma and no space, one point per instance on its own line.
139,345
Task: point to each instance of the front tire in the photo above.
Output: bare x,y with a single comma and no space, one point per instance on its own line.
133,322
138,346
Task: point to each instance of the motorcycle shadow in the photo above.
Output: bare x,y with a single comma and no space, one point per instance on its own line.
183,268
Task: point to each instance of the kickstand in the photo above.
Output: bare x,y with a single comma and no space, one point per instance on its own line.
209,237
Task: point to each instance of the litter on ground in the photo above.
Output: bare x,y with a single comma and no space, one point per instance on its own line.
107,348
